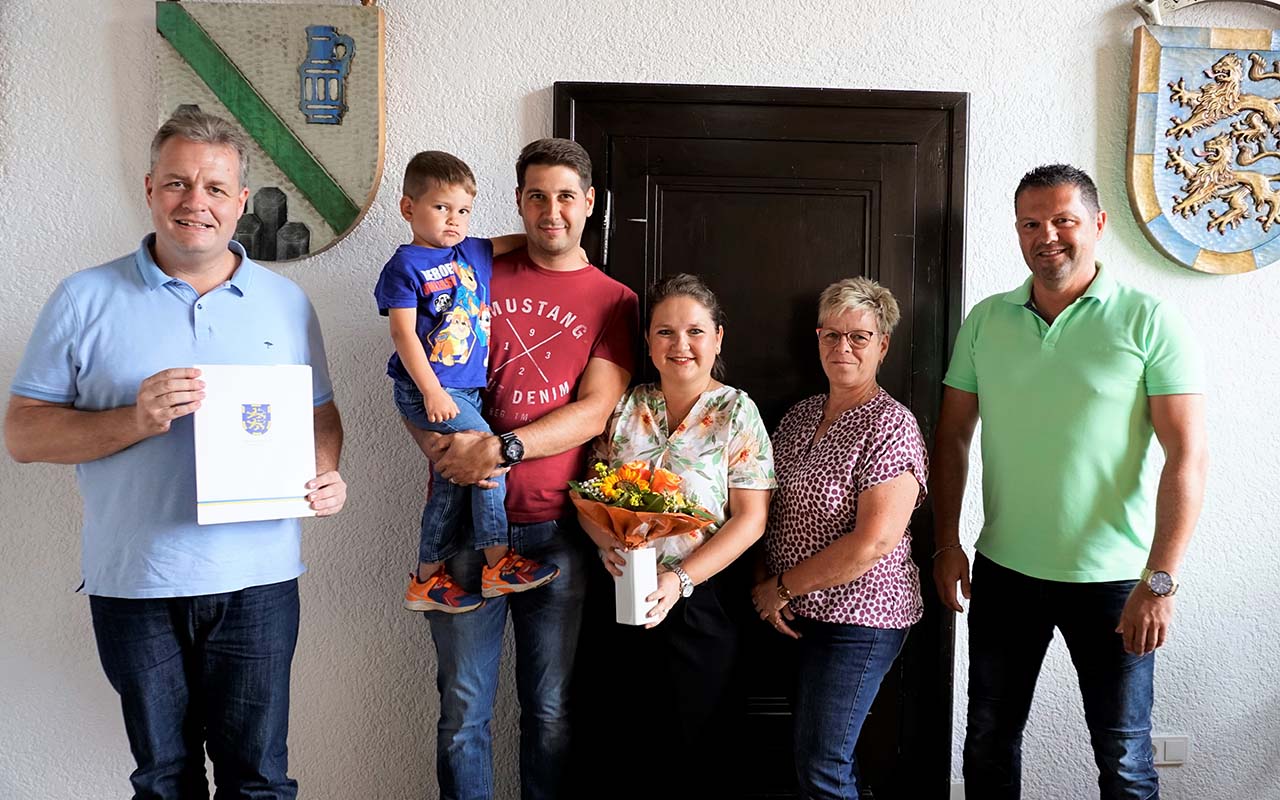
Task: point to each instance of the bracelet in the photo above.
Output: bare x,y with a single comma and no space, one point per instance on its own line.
944,549
784,594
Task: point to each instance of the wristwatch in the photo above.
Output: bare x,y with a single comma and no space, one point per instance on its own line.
784,594
686,583
512,449
1161,583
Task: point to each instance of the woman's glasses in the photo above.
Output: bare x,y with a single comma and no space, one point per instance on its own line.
858,340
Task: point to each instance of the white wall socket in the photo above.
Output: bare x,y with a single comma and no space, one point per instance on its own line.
1170,750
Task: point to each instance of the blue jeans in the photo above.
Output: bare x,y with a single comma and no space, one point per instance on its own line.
442,516
469,648
208,669
840,670
1011,622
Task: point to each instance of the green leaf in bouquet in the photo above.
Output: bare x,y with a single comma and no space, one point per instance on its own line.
656,503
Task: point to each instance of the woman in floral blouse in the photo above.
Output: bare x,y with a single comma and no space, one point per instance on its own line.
711,435
851,469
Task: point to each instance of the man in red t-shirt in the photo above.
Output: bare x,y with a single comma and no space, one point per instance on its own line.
561,353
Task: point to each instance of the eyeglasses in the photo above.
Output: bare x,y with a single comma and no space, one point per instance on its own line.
858,340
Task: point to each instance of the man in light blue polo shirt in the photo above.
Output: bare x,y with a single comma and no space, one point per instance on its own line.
1072,374
196,625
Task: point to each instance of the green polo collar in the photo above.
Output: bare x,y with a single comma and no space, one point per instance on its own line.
1102,287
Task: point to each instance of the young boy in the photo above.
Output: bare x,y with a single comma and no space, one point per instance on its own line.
436,293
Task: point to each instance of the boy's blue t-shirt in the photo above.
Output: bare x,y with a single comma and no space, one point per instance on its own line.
450,290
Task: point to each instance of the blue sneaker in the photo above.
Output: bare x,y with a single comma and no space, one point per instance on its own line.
439,593
515,573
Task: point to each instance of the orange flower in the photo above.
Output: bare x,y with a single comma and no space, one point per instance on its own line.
742,456
664,480
633,472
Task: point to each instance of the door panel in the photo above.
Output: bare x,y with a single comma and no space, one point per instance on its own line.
771,195
768,225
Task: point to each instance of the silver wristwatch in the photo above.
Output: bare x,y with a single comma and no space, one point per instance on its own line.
686,583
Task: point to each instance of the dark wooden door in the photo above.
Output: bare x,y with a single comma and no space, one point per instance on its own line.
772,194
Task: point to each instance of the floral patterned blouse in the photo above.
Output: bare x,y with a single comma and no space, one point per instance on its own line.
721,445
817,503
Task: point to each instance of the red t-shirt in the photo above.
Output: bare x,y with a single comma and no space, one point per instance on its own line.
545,327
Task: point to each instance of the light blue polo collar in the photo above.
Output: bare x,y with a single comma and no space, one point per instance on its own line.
154,277
1102,287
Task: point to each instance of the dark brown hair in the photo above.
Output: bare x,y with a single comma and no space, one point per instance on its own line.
439,168
685,285
554,153
1054,175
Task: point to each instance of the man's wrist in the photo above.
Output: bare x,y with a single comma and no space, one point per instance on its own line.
1158,582
942,548
510,449
493,448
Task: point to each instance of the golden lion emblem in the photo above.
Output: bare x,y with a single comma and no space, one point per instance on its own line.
1216,178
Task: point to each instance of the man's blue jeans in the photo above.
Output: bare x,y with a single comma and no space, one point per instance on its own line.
469,648
840,670
444,516
1011,622
212,668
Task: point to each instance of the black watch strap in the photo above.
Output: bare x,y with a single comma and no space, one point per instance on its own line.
512,449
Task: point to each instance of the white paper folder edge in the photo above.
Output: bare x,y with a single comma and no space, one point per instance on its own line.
214,512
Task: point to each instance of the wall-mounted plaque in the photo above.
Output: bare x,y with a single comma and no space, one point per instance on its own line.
305,82
1204,145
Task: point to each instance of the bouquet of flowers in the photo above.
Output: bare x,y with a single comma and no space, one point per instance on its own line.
637,505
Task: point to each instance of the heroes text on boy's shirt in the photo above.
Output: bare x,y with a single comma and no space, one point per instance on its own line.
449,288
546,326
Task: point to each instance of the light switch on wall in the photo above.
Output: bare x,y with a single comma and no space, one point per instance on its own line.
1169,750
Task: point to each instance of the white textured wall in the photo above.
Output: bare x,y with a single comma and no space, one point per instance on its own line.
1048,82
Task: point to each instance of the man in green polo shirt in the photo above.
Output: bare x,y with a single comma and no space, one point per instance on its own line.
1072,374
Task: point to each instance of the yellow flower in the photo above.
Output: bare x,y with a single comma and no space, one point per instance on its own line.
607,486
622,481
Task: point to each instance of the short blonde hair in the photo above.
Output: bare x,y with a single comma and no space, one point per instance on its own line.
857,294
194,125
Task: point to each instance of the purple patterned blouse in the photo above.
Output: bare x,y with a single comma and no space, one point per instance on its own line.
817,502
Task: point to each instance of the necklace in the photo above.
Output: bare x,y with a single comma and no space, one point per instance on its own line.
829,415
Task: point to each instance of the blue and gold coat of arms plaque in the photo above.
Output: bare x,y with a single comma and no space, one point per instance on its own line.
1204,145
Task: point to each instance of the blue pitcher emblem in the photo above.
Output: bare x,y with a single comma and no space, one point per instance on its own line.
255,418
323,75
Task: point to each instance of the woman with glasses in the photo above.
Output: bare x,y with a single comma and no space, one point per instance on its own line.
851,468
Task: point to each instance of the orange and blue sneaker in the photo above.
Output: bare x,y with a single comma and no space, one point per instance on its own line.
515,573
439,592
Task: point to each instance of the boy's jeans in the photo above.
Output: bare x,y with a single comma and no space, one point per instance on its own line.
442,516
1011,622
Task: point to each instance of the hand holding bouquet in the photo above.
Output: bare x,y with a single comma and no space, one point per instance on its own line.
637,505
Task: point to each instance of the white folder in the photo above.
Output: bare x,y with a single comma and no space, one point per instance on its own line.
255,443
